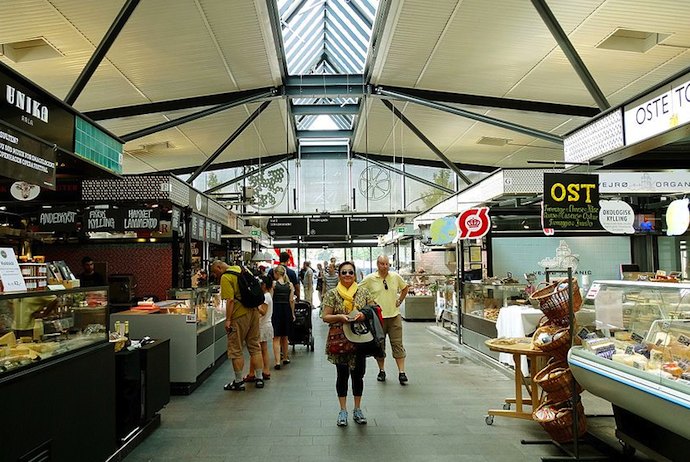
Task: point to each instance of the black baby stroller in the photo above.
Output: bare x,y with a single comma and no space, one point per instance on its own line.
301,329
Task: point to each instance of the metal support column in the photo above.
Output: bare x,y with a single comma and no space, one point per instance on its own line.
569,51
101,51
471,115
426,141
202,168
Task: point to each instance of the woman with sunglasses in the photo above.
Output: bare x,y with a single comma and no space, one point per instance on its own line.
337,303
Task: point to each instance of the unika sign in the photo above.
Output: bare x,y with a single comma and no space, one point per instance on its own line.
571,201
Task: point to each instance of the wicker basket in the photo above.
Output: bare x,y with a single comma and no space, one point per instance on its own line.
559,345
557,420
554,300
556,380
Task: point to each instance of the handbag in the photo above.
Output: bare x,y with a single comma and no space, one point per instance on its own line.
337,343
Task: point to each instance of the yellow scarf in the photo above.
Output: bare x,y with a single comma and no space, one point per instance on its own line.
348,295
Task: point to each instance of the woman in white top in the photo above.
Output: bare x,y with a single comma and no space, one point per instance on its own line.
265,329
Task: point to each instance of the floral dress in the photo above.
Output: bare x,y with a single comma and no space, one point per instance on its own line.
333,299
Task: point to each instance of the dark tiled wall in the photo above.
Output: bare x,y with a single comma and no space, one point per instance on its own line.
150,263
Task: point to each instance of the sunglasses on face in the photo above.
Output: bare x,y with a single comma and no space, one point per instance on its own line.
385,284
345,273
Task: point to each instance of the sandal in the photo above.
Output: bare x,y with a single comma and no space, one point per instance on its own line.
267,376
249,378
277,367
286,361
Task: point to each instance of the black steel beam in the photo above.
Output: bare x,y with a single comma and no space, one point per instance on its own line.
180,104
426,141
191,117
320,91
295,11
246,175
472,115
253,160
404,173
101,50
327,149
360,14
324,80
571,53
202,168
428,162
494,102
324,134
328,109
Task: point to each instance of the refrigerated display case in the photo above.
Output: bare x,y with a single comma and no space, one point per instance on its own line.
420,303
637,356
56,361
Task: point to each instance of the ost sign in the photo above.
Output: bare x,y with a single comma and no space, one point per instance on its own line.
474,223
571,201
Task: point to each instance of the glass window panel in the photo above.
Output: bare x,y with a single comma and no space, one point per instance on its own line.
272,188
324,185
377,189
420,196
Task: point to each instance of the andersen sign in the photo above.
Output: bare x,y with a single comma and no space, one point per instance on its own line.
571,202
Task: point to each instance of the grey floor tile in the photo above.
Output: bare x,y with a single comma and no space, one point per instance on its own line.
438,417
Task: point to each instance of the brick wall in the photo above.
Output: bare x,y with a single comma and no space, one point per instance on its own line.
151,263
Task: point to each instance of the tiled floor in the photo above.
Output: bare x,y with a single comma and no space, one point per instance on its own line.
439,416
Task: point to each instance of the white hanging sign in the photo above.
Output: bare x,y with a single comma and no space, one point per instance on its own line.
10,274
677,217
616,217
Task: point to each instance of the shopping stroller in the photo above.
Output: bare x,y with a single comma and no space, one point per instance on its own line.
302,328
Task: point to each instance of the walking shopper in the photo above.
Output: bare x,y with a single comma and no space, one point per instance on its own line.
241,324
291,274
308,282
283,314
319,281
389,290
337,304
265,329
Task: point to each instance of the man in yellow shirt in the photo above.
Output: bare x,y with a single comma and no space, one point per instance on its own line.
241,324
389,290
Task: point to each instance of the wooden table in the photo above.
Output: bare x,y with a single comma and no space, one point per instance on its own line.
518,350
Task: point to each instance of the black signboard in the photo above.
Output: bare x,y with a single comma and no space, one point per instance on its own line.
287,227
328,226
198,202
28,107
59,220
100,220
368,226
571,201
209,224
141,219
194,232
24,158
175,219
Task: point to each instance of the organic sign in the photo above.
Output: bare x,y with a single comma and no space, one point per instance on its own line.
616,217
571,201
473,223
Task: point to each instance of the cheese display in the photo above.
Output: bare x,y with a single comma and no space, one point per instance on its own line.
41,325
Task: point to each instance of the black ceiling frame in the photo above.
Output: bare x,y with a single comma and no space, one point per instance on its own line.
180,104
571,53
203,167
101,50
381,91
197,115
418,133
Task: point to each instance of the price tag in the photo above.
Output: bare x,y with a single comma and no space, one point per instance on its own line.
593,291
629,350
190,318
583,333
10,273
684,340
637,337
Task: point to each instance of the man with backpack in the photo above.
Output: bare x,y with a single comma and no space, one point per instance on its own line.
238,288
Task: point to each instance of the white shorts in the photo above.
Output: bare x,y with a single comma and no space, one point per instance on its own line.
266,332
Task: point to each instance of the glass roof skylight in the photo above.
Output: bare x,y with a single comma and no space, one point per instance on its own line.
326,36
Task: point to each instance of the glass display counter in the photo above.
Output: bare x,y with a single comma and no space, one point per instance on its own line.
56,361
420,303
42,325
637,356
447,306
196,329
481,305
